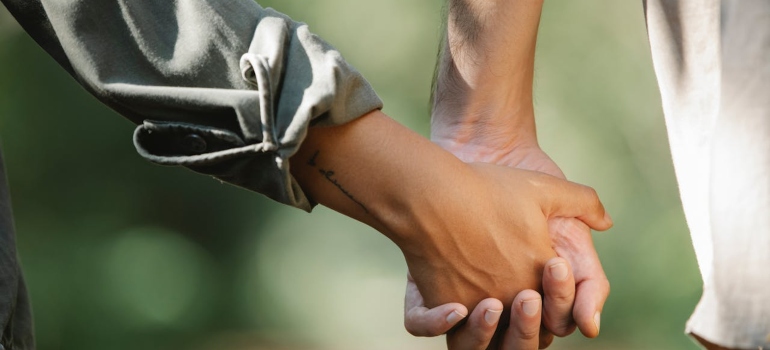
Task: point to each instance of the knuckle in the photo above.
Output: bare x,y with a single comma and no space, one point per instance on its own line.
469,339
414,329
529,333
411,329
591,196
435,330
595,201
562,299
604,284
479,337
561,327
478,341
591,193
545,341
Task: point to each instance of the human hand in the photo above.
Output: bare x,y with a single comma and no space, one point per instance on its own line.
483,112
523,332
471,258
571,237
453,221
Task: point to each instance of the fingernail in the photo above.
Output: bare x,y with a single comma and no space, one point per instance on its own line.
530,307
492,316
597,320
559,271
454,317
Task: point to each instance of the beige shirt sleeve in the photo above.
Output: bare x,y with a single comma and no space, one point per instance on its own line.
712,60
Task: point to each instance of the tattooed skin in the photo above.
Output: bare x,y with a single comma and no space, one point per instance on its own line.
329,175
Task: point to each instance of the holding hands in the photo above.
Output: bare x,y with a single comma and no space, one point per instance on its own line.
488,224
483,112
574,286
468,232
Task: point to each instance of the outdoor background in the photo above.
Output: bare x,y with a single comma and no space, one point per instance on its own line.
123,254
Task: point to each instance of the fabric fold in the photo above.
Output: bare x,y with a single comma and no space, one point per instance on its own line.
200,75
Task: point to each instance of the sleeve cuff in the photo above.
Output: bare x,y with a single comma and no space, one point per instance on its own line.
294,79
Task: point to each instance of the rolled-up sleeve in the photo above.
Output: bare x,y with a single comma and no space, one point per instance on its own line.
224,87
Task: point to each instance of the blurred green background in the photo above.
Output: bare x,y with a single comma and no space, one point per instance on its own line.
122,254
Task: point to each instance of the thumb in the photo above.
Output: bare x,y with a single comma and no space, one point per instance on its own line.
568,199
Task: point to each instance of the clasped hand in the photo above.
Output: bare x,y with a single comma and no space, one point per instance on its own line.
468,231
495,243
574,278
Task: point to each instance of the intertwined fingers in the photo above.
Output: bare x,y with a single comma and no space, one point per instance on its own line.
559,292
477,333
524,330
424,322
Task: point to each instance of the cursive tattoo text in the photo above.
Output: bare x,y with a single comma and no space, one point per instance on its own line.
329,175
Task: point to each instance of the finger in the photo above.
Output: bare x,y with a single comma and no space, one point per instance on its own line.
480,328
412,297
589,300
524,330
559,292
569,199
546,338
423,322
574,243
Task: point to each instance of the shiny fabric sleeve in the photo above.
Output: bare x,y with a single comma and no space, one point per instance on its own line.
224,87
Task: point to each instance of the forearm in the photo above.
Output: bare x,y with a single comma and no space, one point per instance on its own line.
485,72
467,231
426,201
378,172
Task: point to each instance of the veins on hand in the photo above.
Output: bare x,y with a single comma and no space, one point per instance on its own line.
329,175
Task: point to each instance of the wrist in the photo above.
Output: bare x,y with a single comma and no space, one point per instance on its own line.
414,216
420,222
483,89
381,173
496,116
487,142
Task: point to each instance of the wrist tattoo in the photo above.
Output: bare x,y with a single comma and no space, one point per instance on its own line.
329,176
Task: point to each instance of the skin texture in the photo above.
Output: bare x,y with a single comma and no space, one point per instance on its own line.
524,331
572,241
483,112
463,228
